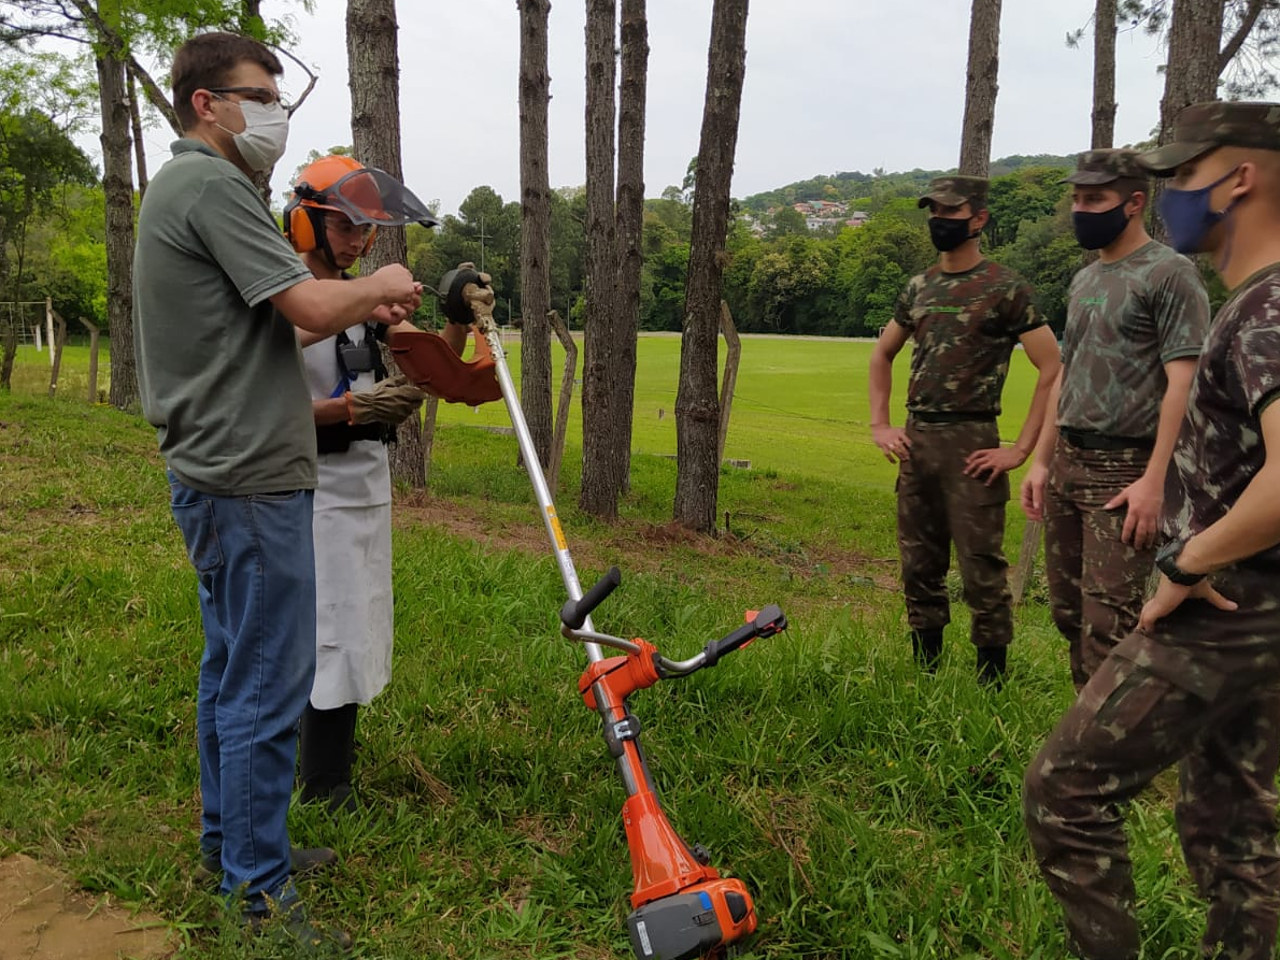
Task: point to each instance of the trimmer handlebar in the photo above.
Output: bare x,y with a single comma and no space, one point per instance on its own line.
767,622
574,613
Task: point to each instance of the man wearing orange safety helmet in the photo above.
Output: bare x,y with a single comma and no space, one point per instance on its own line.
337,206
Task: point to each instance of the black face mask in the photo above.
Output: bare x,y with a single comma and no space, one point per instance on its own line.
947,234
1097,230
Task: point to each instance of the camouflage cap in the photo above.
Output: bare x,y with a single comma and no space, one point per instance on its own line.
1096,167
951,191
1202,127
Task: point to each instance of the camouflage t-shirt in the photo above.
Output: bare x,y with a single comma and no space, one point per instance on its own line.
965,326
1220,448
1125,321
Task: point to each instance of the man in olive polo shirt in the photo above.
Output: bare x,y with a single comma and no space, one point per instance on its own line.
220,374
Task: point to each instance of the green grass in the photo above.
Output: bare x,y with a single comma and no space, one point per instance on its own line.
874,812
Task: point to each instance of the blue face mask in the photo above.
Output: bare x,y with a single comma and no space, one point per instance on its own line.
1187,216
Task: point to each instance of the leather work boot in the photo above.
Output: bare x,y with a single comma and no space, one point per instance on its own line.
291,928
992,663
927,647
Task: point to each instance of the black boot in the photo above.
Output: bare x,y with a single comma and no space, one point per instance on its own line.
927,647
991,665
327,751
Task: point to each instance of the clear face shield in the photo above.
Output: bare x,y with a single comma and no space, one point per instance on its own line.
372,197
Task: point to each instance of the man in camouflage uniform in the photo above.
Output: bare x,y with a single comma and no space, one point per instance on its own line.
1135,322
965,315
1198,684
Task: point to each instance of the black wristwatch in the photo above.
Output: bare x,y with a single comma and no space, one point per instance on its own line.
1167,563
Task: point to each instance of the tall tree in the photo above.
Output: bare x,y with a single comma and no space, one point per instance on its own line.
535,226
373,61
1250,33
980,88
697,405
1104,75
601,473
117,183
1195,32
630,222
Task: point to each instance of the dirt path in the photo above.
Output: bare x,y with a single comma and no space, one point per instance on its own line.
43,916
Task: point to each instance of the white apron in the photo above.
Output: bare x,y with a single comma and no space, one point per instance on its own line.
352,530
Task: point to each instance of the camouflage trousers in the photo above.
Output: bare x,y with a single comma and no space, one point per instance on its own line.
1097,583
1203,692
938,504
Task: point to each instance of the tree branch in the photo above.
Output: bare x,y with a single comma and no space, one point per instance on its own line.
1247,22
311,82
155,96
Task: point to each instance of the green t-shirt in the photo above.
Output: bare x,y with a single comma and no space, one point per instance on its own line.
965,326
1125,321
220,372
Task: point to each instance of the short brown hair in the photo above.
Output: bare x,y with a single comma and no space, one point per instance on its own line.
207,60
1128,186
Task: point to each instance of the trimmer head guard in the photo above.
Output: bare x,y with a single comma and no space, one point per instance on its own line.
430,363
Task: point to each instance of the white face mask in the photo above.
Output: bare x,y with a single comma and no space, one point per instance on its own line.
265,134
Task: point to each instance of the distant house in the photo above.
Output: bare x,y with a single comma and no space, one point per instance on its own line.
857,218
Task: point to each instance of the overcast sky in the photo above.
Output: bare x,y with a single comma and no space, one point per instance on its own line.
831,85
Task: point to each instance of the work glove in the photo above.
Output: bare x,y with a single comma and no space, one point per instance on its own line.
389,402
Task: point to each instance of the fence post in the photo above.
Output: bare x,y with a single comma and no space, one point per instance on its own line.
732,356
1031,536
59,341
93,359
566,396
48,325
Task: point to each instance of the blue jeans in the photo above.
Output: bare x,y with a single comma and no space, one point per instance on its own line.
256,567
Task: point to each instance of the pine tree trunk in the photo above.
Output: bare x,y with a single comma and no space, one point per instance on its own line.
373,63
1104,75
535,227
980,88
630,223
600,467
117,185
1195,32
697,407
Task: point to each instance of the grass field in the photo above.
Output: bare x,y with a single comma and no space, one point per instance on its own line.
873,811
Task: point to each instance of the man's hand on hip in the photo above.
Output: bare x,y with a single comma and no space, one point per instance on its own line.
992,464
892,441
1144,498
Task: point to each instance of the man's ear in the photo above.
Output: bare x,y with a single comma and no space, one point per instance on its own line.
1247,180
1136,203
980,220
202,105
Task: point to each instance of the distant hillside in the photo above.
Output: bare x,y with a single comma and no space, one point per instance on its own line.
849,187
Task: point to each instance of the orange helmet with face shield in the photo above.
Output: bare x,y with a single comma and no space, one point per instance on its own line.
364,195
